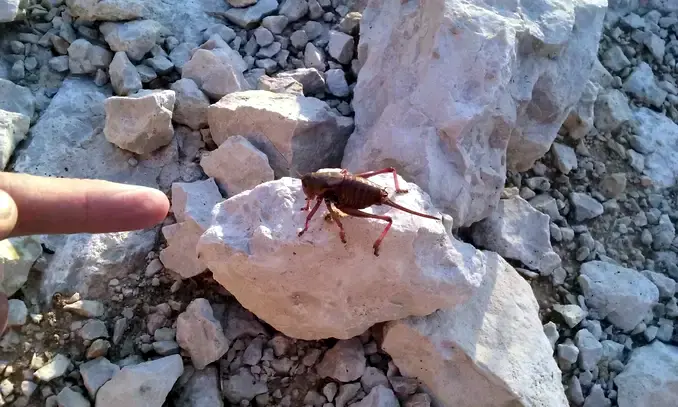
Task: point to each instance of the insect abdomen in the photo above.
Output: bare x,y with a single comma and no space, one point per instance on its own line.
354,193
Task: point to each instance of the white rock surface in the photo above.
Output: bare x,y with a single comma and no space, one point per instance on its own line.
314,286
106,10
658,135
17,256
217,72
650,377
13,129
303,129
8,10
87,262
445,121
16,98
624,296
141,122
195,201
192,205
145,384
516,230
492,347
237,165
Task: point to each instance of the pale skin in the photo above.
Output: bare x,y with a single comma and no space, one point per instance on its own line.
33,205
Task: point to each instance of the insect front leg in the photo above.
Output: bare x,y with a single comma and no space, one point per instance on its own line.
308,205
360,214
335,217
318,201
384,171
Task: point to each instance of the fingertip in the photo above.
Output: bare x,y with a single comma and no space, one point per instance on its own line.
154,206
8,214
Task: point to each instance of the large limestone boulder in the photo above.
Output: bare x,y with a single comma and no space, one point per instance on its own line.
314,286
298,134
489,351
453,124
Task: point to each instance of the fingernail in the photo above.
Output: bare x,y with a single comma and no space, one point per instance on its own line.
6,206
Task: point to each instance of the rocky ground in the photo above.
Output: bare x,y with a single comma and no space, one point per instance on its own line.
177,97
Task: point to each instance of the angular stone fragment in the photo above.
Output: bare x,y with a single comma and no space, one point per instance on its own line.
516,230
650,377
125,77
565,157
200,334
345,361
217,72
249,17
142,122
473,349
341,47
643,85
136,38
195,200
310,79
611,110
86,58
146,383
191,104
17,256
622,295
658,139
13,129
95,373
262,224
237,166
280,85
16,98
585,206
298,134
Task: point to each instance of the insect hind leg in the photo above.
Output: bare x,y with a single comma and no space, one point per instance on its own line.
384,171
360,214
335,216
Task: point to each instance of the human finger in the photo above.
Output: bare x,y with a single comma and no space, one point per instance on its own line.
8,214
68,205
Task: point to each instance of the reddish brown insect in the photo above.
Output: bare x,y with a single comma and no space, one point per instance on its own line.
349,193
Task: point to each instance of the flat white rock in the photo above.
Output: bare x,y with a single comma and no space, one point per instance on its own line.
622,295
489,351
650,378
314,287
659,134
143,384
517,230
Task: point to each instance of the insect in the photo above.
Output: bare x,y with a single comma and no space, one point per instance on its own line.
350,193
